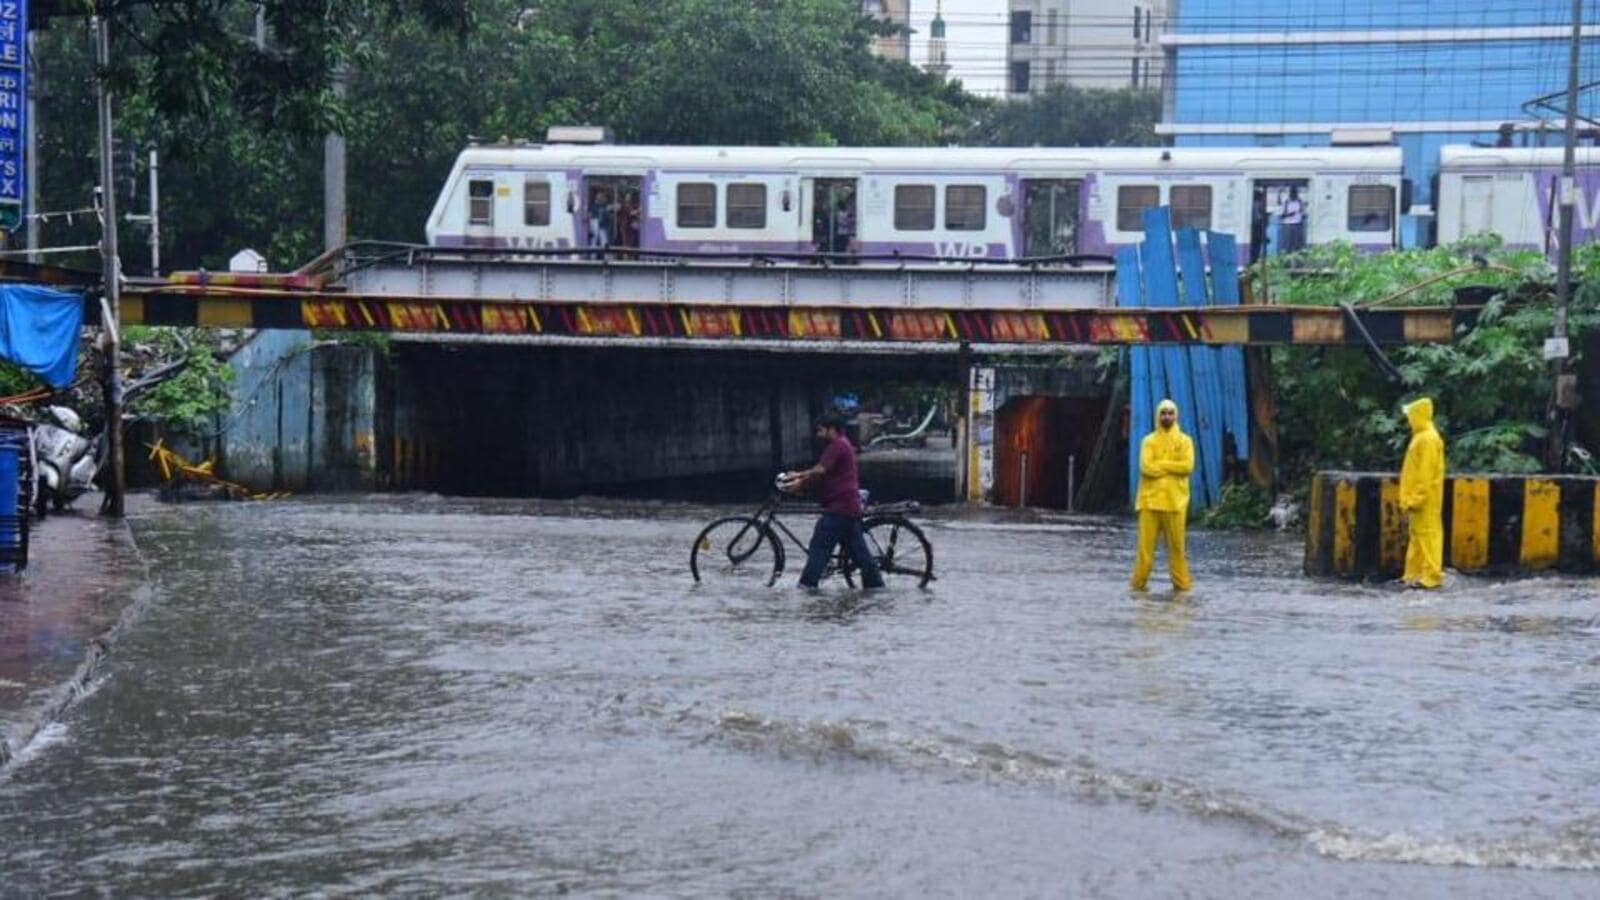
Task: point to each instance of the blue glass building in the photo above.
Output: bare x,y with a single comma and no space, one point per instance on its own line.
1427,72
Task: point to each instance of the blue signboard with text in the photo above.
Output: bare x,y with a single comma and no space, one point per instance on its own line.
13,108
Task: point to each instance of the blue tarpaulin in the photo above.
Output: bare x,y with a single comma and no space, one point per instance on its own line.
39,329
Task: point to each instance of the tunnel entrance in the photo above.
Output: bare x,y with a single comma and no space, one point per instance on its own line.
558,421
1043,447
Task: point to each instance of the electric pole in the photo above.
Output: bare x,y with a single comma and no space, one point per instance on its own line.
111,300
1556,349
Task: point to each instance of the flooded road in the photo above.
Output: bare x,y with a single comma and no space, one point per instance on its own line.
426,696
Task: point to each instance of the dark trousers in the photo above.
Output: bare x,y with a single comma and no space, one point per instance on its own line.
831,531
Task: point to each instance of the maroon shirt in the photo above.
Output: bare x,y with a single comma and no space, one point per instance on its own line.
839,485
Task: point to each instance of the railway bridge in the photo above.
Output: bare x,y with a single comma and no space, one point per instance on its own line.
507,372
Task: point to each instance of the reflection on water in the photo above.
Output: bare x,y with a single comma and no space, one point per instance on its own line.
442,697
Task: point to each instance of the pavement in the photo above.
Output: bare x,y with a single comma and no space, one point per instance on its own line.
84,581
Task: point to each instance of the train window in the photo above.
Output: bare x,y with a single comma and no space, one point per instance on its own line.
747,206
697,205
913,207
480,202
1132,201
1371,208
964,207
1191,205
535,202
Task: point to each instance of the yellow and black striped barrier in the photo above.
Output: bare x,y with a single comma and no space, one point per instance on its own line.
1492,523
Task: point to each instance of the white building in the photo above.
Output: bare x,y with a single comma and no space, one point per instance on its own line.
1084,43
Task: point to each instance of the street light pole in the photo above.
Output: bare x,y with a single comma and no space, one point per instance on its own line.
111,301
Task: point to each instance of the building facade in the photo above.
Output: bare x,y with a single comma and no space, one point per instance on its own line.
1084,43
1421,75
898,45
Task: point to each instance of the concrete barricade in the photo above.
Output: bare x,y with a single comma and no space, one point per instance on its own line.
1492,523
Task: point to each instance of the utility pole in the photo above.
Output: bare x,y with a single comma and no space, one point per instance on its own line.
1556,349
111,301
333,172
153,217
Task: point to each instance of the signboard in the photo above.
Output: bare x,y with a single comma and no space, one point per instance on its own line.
13,106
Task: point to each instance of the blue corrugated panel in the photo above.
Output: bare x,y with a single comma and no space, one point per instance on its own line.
1225,292
1130,292
1161,290
1207,420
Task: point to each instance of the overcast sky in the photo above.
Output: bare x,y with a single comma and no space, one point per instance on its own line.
975,32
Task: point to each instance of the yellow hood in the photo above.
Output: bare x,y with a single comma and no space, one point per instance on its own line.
1420,414
1165,405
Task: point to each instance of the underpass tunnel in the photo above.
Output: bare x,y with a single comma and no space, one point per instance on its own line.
561,421
1043,447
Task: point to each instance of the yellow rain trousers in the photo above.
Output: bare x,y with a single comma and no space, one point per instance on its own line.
1166,460
1422,497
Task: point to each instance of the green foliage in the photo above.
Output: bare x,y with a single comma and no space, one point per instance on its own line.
380,342
189,401
16,380
1066,116
1490,387
1241,506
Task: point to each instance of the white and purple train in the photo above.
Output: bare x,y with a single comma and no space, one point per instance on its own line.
919,203
1514,192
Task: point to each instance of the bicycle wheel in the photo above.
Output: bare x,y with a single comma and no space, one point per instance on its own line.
900,548
736,548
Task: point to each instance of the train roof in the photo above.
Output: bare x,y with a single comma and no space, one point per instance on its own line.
1465,157
1066,159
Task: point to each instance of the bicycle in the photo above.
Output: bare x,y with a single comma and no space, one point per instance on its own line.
748,546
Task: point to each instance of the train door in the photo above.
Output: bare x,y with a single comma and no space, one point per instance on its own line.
1280,209
613,209
1050,216
834,214
1477,204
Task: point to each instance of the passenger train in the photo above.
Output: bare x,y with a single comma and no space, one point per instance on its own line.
898,203
1514,192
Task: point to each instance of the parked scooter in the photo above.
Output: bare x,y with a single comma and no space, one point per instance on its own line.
68,460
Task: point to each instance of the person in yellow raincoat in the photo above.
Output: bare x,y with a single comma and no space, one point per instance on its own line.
1166,460
1422,497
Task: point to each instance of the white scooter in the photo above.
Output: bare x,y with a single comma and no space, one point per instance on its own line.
67,460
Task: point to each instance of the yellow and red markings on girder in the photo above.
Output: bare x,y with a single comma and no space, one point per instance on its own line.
214,305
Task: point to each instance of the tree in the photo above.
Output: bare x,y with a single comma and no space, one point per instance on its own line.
1065,116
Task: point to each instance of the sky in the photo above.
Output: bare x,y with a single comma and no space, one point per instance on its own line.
975,33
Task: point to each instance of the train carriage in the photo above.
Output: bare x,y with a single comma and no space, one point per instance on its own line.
1513,192
882,204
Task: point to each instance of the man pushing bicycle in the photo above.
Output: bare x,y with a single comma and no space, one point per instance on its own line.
836,482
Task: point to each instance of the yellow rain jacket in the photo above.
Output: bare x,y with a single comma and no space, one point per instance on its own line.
1166,460
1422,497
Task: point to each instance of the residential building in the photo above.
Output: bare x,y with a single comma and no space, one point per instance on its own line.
1418,74
1084,43
898,45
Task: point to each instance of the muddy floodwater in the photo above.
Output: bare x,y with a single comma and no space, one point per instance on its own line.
426,696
